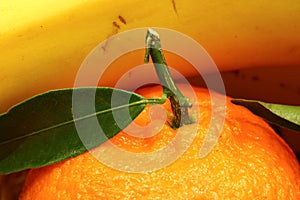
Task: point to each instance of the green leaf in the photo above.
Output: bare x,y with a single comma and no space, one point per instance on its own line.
61,124
283,115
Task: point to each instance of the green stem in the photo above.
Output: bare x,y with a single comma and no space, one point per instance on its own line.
179,103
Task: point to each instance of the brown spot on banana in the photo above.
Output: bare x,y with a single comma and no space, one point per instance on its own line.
122,19
115,24
174,6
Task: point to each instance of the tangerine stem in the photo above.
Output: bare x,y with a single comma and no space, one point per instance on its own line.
179,103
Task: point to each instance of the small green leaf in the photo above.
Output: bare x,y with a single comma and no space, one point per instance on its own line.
61,124
282,115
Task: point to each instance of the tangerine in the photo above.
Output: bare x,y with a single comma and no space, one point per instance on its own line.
249,161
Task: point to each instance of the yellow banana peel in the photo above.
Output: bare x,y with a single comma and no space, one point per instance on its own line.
43,43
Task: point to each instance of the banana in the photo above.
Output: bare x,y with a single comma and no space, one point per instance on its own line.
42,44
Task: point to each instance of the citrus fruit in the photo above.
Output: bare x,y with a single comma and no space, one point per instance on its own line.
249,161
